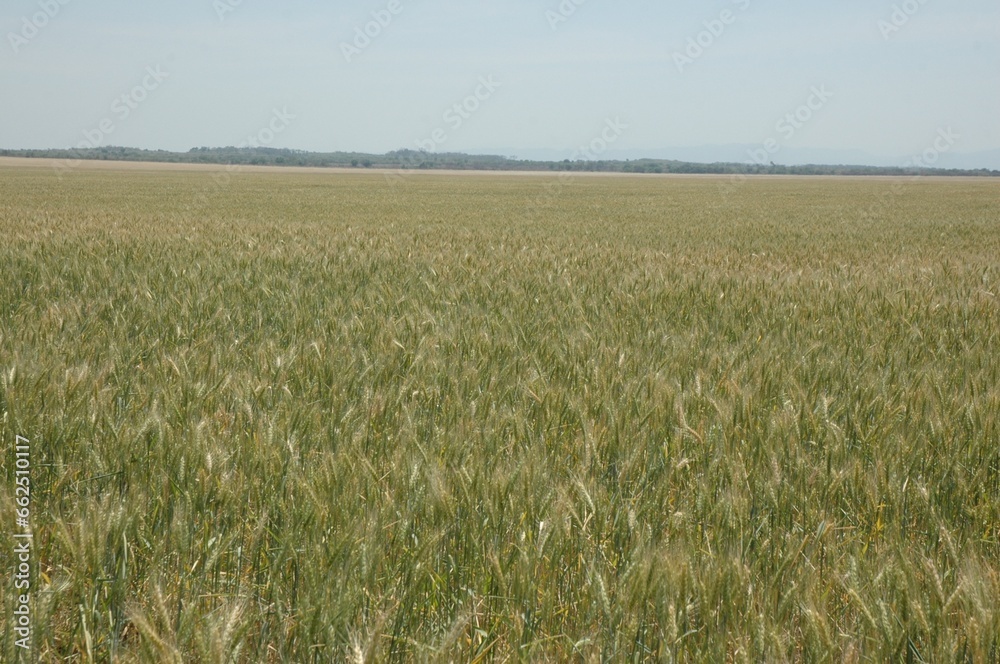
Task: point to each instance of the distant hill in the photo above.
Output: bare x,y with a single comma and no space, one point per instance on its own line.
415,160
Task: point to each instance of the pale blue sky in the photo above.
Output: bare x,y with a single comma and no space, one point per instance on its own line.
558,87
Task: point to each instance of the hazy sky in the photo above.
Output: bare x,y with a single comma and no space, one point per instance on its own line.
213,73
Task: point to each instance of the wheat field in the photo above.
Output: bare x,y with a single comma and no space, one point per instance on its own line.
312,417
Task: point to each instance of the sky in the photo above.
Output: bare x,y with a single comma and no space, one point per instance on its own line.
879,80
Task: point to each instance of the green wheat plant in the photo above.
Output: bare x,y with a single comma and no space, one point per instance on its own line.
329,418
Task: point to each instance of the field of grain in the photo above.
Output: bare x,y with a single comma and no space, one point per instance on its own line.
320,417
